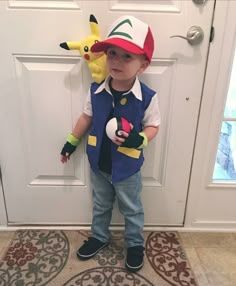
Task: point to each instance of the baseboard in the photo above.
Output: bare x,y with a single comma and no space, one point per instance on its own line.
212,225
200,226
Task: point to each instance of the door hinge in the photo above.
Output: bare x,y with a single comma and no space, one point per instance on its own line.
212,35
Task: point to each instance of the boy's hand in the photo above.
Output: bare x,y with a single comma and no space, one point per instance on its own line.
120,140
134,140
66,151
69,148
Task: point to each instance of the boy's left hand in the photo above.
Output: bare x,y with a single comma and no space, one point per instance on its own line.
134,140
131,140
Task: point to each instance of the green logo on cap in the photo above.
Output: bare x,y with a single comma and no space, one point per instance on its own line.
114,32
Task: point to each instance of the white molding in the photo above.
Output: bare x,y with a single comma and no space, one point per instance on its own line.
25,64
3,214
46,180
39,4
116,228
160,68
159,6
213,225
222,185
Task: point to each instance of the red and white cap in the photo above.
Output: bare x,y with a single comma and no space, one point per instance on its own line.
130,34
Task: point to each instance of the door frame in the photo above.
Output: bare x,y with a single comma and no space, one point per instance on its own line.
3,210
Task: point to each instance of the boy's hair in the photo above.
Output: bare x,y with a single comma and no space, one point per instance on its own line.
130,34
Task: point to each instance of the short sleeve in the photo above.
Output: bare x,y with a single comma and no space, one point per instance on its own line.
152,115
88,106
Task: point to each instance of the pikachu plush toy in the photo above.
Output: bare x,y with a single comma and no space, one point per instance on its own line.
96,62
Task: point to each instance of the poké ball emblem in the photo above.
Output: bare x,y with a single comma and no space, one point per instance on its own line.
116,125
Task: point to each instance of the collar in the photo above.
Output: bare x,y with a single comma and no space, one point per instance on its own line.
136,88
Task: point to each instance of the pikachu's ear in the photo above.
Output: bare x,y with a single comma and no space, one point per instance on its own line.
94,25
74,45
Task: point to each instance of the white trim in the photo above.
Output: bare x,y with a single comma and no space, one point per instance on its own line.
39,4
209,227
204,224
3,214
174,7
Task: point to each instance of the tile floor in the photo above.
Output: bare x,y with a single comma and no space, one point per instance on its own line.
212,256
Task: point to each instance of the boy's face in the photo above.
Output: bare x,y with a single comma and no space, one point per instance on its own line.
123,65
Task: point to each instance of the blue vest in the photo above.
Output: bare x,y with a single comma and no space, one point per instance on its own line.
125,161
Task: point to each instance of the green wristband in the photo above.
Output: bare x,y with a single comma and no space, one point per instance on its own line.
145,140
72,140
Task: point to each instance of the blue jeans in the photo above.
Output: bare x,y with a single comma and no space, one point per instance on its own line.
128,193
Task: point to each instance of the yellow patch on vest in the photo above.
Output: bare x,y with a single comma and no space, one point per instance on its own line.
131,152
92,140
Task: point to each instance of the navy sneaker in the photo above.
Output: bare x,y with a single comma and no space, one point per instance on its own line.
90,248
134,258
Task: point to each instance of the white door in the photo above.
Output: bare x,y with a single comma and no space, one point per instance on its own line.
213,182
43,89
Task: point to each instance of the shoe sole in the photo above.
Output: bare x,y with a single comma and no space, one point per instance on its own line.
86,257
133,269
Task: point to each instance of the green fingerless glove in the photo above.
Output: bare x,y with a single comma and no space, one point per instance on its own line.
136,140
70,145
72,139
145,140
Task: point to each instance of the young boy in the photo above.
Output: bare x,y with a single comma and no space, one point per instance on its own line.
115,165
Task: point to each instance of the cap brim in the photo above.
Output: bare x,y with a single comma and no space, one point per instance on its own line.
123,44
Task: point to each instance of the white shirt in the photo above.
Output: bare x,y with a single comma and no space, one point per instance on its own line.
152,113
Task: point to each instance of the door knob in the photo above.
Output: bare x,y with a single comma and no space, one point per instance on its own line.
194,36
199,2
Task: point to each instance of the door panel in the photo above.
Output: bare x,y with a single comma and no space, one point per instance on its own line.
44,88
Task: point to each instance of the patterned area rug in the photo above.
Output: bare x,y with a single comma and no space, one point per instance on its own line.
41,257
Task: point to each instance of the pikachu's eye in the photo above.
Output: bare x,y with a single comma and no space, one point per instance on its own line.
86,49
96,41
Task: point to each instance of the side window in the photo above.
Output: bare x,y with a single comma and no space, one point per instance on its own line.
225,165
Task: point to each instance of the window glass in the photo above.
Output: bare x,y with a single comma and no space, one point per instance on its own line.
225,165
